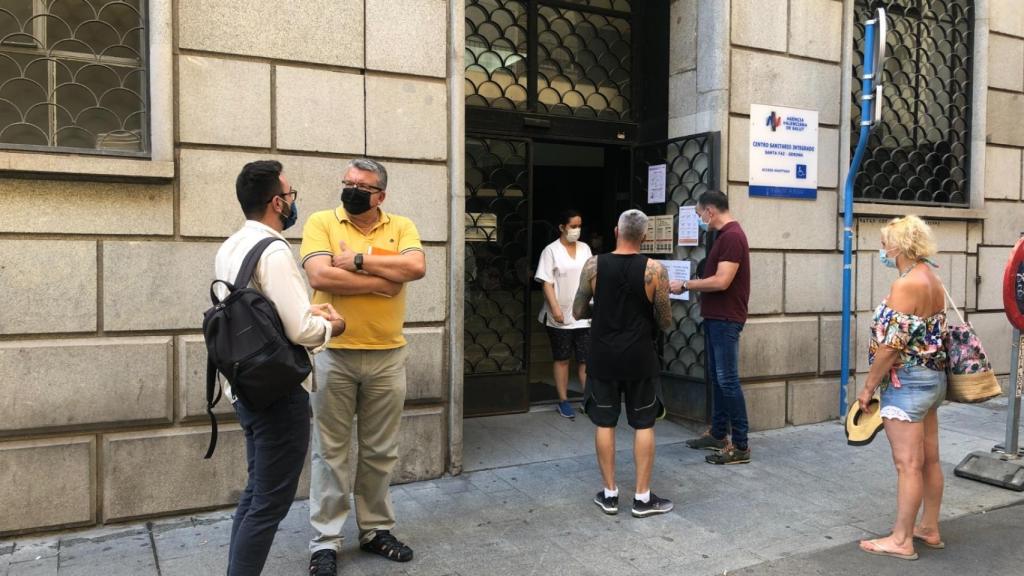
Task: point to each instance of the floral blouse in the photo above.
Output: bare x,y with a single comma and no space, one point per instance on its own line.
918,340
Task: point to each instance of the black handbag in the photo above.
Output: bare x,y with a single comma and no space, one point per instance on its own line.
246,343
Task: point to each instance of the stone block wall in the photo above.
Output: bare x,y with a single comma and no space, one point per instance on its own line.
102,364
730,54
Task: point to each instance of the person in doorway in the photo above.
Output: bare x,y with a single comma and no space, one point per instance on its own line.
359,258
559,271
908,363
630,303
276,437
725,292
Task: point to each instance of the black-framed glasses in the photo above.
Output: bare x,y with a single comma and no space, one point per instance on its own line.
293,193
364,187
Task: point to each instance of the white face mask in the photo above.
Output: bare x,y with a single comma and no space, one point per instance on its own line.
573,234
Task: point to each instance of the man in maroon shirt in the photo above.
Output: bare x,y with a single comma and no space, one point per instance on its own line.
725,291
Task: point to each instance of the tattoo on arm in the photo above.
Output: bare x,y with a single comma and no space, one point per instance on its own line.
581,304
662,303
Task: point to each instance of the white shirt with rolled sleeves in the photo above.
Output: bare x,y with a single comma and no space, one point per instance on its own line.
563,271
277,277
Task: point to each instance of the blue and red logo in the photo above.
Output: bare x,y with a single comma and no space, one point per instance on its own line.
773,121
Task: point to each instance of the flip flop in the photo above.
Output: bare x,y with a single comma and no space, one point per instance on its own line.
934,546
879,551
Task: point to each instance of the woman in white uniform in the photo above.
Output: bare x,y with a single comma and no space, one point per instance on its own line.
559,270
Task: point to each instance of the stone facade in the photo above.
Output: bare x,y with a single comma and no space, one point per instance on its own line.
728,55
103,415
107,271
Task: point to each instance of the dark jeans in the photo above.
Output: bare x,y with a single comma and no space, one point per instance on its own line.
729,407
276,440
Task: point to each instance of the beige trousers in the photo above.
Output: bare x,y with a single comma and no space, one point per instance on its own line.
369,384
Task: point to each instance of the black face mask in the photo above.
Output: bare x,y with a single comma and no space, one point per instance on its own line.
355,201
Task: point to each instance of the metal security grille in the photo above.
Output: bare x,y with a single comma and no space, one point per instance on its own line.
567,58
497,266
496,74
690,171
919,151
73,76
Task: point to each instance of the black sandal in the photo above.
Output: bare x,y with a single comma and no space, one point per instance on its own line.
388,546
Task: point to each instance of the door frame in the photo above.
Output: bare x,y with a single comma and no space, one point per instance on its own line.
498,393
681,392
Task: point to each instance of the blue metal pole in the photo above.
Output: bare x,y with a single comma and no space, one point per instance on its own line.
866,114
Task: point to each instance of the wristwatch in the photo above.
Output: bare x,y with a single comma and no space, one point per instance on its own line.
359,262
684,285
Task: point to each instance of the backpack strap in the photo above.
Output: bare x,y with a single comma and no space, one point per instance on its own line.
213,394
251,259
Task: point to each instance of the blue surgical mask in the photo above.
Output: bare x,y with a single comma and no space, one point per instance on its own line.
885,259
702,224
293,216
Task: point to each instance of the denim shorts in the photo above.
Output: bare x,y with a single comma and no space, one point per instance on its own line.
921,389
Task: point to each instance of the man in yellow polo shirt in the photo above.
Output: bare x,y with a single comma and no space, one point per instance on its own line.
358,258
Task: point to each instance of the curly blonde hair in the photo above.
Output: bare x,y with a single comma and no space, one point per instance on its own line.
911,236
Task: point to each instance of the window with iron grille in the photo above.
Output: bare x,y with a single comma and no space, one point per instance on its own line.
560,57
73,76
919,151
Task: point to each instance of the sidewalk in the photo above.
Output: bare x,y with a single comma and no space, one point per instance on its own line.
805,491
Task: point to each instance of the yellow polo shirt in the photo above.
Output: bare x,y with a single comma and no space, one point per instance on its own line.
373,322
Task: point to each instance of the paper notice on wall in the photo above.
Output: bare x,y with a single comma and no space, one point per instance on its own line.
678,270
656,184
659,237
688,226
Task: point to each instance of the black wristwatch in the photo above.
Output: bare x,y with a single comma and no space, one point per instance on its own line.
359,262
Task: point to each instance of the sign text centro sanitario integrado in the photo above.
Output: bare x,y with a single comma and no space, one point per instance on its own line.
783,152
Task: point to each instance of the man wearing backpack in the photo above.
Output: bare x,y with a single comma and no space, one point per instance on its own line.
276,436
358,258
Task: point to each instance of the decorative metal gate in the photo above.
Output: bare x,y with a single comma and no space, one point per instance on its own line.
691,166
496,365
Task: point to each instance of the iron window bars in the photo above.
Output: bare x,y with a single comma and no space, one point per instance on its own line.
919,151
561,57
73,76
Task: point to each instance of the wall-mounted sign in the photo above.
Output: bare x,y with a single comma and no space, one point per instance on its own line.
656,184
689,229
659,235
783,152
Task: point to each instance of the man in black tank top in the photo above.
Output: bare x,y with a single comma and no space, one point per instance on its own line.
630,305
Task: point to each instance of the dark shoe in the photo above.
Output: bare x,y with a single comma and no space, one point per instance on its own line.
652,507
729,455
565,410
323,563
609,505
388,546
706,442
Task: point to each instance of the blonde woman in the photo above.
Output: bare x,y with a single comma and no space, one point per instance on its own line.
908,363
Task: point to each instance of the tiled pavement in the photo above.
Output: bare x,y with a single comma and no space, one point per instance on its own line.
805,491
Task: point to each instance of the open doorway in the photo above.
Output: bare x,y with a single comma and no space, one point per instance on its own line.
586,178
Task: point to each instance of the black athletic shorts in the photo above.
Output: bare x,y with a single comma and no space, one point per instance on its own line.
602,401
565,341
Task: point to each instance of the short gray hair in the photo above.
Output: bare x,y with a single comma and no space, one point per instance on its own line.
632,225
368,165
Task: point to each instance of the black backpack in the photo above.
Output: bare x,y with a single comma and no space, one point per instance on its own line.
246,343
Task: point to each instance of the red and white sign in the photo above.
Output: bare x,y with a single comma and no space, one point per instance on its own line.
1013,286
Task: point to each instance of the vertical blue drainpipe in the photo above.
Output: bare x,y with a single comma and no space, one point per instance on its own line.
867,109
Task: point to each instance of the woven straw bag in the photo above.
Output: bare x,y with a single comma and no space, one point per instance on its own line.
970,376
